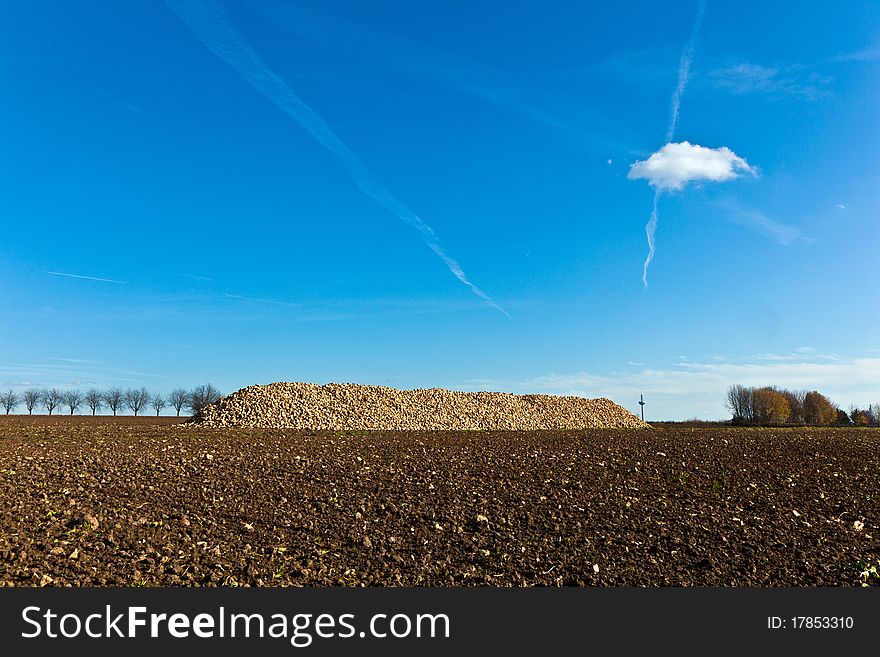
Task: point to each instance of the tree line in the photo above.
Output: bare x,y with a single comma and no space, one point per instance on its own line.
113,399
770,405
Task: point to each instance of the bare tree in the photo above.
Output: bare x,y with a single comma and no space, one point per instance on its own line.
73,399
178,399
732,401
874,410
740,402
31,399
94,400
795,399
51,399
113,399
158,402
202,396
10,400
137,398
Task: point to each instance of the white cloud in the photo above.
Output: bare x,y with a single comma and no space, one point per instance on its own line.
781,233
867,54
841,206
67,373
747,78
694,389
677,164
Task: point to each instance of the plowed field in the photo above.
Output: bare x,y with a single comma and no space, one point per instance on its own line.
143,502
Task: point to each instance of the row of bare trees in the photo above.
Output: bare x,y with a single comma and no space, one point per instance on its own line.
116,400
772,405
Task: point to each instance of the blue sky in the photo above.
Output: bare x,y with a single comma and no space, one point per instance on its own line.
442,194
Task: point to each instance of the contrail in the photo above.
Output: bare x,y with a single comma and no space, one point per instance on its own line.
87,278
210,25
458,73
650,229
684,67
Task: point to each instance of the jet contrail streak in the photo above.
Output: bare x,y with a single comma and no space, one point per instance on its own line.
210,25
684,68
85,278
650,229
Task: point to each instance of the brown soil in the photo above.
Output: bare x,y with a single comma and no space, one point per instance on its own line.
125,501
